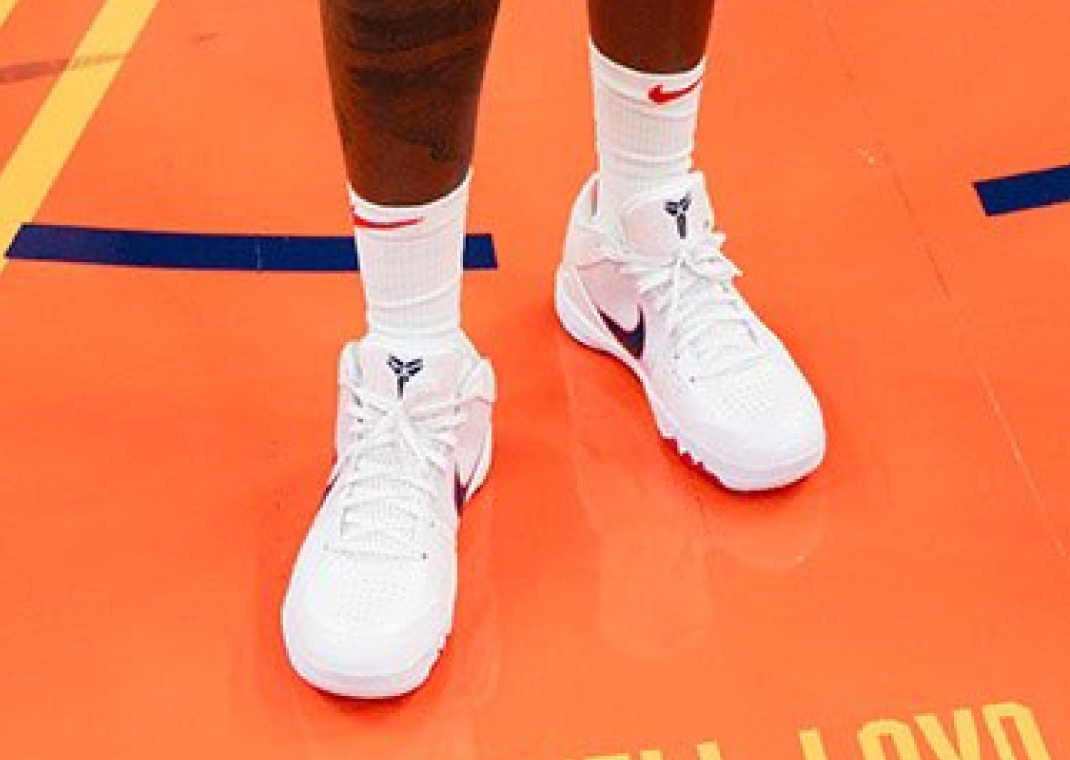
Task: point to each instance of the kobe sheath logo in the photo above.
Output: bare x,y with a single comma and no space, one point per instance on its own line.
678,210
404,371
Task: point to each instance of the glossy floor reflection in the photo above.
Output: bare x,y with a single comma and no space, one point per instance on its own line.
164,434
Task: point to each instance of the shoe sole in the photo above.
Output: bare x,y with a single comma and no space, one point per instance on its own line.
580,319
391,685
364,687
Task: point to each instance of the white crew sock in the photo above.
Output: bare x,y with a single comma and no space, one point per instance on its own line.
645,128
410,261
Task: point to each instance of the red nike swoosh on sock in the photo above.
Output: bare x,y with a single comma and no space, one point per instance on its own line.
371,224
661,96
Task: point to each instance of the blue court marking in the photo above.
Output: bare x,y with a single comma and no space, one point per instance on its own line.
1019,192
179,250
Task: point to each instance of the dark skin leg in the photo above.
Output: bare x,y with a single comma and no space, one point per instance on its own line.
658,36
405,80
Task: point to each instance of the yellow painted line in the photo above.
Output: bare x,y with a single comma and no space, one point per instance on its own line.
6,6
48,143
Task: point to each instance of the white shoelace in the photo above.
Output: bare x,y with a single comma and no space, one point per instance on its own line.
387,467
692,285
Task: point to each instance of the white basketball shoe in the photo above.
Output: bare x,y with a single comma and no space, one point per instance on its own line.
655,291
371,597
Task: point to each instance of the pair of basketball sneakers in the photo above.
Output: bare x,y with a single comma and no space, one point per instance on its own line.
371,598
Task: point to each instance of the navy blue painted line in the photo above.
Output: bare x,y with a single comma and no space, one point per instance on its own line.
1019,192
178,250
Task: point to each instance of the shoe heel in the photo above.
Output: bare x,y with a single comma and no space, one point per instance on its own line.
570,314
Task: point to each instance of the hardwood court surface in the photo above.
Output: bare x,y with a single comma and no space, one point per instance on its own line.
165,430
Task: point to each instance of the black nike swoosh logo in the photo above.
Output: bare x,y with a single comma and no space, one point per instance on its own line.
460,492
330,482
632,339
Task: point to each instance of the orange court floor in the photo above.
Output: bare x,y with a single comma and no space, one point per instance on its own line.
165,424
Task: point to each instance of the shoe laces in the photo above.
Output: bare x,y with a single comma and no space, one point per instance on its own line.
393,453
692,284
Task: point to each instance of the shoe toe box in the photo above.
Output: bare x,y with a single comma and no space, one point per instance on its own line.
765,429
350,629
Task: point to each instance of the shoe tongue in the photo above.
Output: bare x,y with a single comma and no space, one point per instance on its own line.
413,374
673,213
678,213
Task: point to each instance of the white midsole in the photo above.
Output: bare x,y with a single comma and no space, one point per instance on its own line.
364,687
